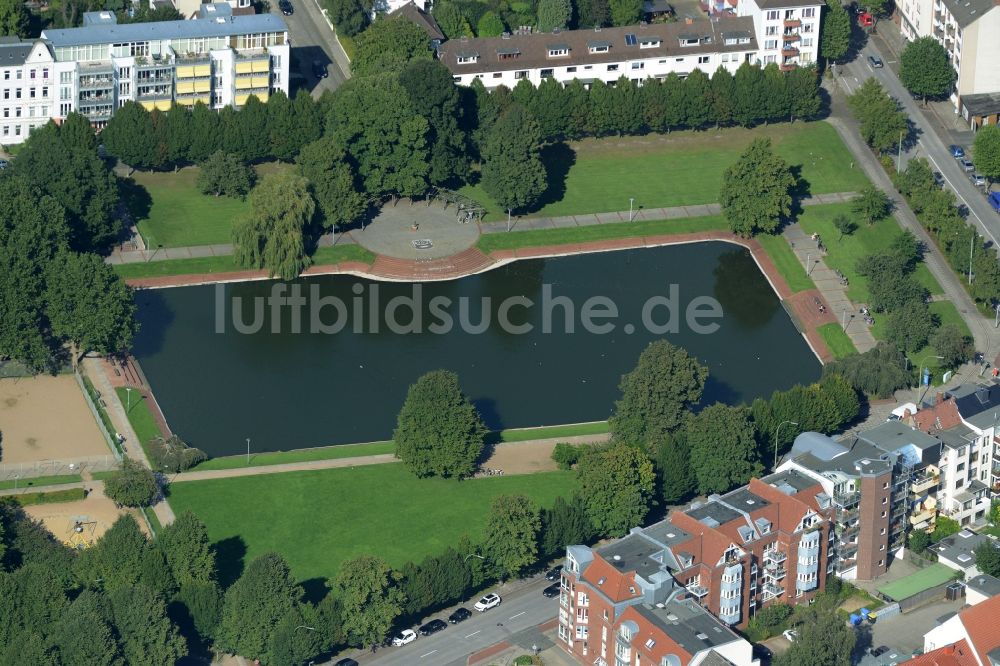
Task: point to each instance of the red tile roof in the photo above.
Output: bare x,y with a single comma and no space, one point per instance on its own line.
956,654
615,583
791,509
981,624
711,543
941,416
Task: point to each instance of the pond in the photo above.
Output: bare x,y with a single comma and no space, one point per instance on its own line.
328,360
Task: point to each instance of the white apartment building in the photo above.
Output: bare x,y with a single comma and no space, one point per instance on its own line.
94,69
785,32
968,30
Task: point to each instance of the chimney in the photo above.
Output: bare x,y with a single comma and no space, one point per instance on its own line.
688,21
939,398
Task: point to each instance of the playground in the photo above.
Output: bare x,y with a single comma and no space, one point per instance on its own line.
79,524
46,418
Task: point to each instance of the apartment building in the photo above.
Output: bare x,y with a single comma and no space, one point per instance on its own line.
967,29
969,638
868,478
220,61
728,556
785,32
958,551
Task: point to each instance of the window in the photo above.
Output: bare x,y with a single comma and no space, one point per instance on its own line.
523,74
558,51
771,44
885,486
771,31
638,65
702,60
45,73
772,15
466,59
497,75
768,59
65,77
6,75
612,68
570,70
45,92
546,73
882,531
689,41
807,27
599,48
884,514
809,12
807,42
649,43
881,548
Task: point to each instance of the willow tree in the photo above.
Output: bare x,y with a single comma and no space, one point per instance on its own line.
272,235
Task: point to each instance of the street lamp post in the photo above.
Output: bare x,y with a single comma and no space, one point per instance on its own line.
776,431
128,399
248,451
631,200
899,157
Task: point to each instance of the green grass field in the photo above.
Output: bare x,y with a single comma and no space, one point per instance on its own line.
833,335
209,265
786,262
946,313
318,519
38,481
680,168
844,253
924,579
139,415
553,432
174,213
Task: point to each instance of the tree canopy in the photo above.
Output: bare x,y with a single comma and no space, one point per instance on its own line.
616,484
332,181
511,542
835,33
254,605
132,485
925,69
225,174
369,592
273,234
723,448
512,170
986,152
756,191
388,45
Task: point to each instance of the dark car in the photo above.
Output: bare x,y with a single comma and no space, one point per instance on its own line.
880,650
762,652
957,152
319,70
551,591
875,62
286,7
459,615
346,661
553,573
433,627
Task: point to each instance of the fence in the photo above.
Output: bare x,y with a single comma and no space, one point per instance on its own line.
921,598
37,468
96,411
918,561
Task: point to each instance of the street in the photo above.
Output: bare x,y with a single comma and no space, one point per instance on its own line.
521,610
928,144
312,40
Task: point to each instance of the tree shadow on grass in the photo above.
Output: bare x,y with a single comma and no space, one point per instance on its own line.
314,590
558,159
229,556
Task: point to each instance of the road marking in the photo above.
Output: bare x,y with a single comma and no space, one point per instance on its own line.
957,194
428,654
518,615
473,633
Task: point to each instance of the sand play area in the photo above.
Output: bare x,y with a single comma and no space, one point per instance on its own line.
94,516
46,418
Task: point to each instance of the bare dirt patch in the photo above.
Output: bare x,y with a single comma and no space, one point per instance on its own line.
523,457
95,515
46,418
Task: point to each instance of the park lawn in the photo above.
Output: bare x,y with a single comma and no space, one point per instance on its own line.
564,236
678,169
553,432
180,215
947,313
38,481
836,340
300,455
140,416
843,253
317,519
209,265
786,262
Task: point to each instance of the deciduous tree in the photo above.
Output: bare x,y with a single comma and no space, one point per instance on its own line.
225,174
844,225
14,18
723,449
132,485
925,69
986,152
823,640
673,467
871,205
147,636
129,135
371,599
490,25
877,372
438,431
565,524
910,326
272,235
656,395
434,95
332,181
625,12
952,344
511,541
388,45
186,546
835,34
512,171
756,191
554,14
254,605
617,485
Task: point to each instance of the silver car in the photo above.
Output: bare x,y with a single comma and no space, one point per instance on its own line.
978,179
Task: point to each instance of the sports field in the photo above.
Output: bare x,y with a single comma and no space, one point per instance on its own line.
319,518
679,169
925,579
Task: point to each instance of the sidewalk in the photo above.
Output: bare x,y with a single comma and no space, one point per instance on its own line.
500,226
829,286
96,372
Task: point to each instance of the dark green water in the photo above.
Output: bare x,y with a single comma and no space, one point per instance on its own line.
289,390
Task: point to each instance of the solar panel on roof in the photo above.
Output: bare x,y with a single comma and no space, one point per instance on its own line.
630,39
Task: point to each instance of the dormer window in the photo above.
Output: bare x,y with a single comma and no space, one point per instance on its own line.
598,47
508,54
649,42
558,50
689,40
466,57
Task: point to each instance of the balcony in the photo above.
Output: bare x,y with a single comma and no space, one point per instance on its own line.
770,591
698,591
789,37
789,52
773,557
93,82
924,483
793,23
775,574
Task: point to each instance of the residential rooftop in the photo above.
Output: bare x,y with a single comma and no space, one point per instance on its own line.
967,12
688,624
961,547
984,584
113,33
14,52
632,553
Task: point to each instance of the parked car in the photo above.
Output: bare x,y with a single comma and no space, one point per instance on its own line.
491,600
551,591
554,573
790,635
347,661
938,178
880,650
286,7
957,152
404,637
967,165
994,200
978,179
319,70
433,627
459,615
875,62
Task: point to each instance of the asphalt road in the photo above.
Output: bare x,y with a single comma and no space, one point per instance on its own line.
312,40
520,610
927,144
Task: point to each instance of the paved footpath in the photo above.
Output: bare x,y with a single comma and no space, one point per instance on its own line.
828,284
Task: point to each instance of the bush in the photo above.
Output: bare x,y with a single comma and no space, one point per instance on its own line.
133,485
173,455
919,541
567,455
